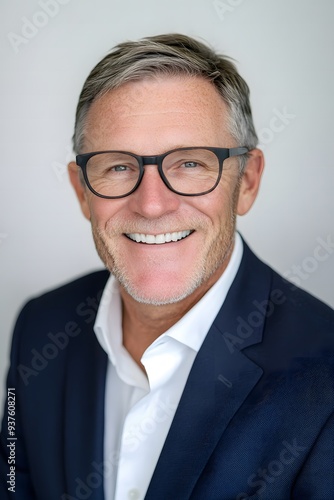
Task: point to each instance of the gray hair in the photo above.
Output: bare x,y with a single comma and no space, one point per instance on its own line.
170,55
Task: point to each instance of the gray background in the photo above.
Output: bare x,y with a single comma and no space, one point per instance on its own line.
285,52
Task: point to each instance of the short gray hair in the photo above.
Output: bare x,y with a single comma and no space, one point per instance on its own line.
170,55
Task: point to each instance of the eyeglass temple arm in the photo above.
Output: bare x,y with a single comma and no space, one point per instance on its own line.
238,151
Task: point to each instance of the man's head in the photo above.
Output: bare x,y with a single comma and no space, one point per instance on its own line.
169,55
147,98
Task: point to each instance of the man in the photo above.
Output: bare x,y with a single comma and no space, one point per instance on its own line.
192,370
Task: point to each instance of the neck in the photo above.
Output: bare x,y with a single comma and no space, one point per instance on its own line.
143,323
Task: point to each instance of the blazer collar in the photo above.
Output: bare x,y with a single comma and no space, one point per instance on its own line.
221,378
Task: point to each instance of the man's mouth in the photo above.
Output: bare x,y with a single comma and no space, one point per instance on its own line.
158,239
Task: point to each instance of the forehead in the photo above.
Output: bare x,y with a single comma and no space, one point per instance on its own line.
169,111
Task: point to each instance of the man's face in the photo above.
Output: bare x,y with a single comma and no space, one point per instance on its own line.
151,117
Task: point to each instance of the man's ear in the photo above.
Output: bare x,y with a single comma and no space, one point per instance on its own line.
250,181
79,188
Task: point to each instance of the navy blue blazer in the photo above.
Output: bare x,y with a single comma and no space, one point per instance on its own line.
255,419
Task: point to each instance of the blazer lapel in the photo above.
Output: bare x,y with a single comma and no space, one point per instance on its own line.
84,417
220,380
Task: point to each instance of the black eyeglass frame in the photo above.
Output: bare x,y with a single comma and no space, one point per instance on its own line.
221,153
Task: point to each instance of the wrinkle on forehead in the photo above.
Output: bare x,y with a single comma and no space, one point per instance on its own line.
127,98
190,105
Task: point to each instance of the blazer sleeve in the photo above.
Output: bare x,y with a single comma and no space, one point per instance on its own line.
14,455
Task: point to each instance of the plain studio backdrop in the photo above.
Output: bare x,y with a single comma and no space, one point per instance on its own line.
283,49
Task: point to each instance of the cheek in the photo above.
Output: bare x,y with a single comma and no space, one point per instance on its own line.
97,211
102,210
220,205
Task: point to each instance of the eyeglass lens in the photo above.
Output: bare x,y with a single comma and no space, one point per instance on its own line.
190,171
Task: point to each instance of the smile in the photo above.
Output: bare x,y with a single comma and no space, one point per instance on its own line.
158,239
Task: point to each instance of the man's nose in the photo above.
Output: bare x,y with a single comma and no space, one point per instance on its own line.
153,199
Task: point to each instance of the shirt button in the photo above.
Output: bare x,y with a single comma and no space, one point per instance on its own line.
133,494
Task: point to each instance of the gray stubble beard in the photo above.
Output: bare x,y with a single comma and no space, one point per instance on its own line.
221,249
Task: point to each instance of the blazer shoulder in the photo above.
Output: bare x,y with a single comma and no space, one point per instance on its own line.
296,315
91,284
303,305
295,299
72,304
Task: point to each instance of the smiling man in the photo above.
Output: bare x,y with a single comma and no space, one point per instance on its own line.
202,374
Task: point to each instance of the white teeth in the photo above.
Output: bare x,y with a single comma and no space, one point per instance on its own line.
150,239
158,239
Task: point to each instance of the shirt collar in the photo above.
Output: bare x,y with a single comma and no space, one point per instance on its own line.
190,330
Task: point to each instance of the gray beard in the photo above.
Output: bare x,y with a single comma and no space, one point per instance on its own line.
219,250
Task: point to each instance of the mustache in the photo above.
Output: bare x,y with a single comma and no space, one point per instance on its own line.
161,225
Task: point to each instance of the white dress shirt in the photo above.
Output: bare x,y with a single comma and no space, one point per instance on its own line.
139,410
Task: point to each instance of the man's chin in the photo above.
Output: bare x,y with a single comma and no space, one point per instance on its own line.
157,295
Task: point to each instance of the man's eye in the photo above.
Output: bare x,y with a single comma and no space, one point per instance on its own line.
190,164
119,168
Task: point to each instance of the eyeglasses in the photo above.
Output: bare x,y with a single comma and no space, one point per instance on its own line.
193,171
